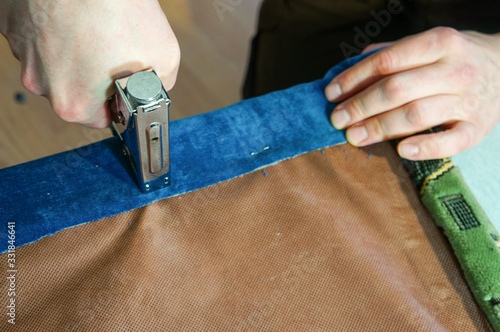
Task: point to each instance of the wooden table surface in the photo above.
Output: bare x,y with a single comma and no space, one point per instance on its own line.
214,46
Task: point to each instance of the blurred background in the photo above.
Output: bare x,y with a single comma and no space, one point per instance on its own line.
215,48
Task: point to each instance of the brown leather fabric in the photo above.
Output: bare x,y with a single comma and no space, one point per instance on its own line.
325,241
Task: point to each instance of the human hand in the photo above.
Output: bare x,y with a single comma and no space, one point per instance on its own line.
71,51
440,77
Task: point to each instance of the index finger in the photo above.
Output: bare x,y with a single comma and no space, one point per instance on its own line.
411,52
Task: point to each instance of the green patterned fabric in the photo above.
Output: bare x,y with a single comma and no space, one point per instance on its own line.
474,239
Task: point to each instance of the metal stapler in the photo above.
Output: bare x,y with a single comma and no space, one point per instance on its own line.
141,106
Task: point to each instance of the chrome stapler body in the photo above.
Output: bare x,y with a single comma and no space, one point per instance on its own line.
141,107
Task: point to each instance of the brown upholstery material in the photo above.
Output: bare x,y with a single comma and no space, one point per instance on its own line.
330,240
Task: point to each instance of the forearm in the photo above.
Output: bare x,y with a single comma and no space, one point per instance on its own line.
4,16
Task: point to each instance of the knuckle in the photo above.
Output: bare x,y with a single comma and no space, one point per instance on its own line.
31,83
385,62
393,89
450,37
378,129
348,79
357,108
431,147
414,115
68,112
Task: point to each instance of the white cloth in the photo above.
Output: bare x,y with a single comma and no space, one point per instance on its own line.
481,169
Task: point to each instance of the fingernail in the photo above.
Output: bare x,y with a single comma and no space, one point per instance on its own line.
333,91
356,135
340,118
408,150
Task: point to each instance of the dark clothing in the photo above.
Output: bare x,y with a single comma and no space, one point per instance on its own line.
299,40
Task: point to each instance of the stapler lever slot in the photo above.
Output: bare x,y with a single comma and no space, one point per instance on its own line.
141,108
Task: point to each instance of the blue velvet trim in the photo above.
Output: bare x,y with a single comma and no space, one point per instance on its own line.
48,195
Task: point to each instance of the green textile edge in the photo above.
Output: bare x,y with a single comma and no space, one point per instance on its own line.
471,234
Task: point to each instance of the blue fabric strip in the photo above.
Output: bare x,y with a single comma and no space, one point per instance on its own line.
83,185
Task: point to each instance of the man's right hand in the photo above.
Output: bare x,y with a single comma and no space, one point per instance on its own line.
72,51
